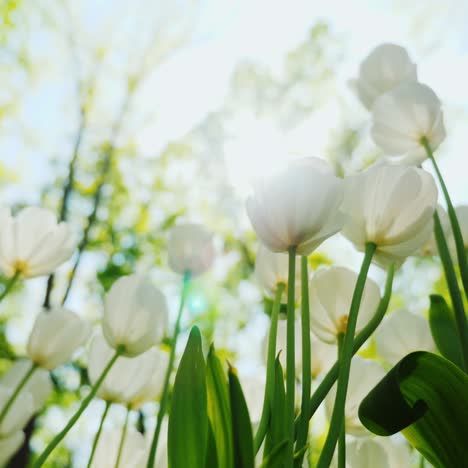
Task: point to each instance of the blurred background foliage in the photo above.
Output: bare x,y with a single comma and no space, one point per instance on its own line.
140,114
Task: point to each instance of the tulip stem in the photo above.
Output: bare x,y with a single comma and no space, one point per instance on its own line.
342,439
452,214
290,358
303,428
165,393
9,285
122,440
17,391
84,404
327,382
270,371
337,419
98,433
455,294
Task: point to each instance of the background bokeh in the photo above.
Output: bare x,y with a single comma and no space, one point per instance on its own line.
171,109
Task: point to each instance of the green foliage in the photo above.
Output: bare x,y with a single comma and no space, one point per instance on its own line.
188,419
425,397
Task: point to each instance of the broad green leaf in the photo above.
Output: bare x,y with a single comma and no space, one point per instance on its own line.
211,455
444,331
188,419
219,409
276,457
244,456
425,397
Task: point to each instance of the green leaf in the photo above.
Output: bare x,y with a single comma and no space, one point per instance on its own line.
188,419
444,331
244,456
219,409
425,397
211,455
277,456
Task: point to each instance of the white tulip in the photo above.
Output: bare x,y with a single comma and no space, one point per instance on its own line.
401,333
365,374
253,387
330,295
39,385
462,215
271,269
403,116
32,243
429,249
322,356
10,445
391,206
398,451
190,249
131,381
133,454
55,336
367,453
20,411
135,315
387,66
297,207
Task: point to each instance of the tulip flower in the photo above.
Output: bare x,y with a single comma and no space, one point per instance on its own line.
135,315
390,206
133,453
298,207
387,66
33,243
401,333
429,248
20,411
131,380
330,294
271,269
39,385
190,249
367,453
55,336
398,452
403,117
365,374
9,446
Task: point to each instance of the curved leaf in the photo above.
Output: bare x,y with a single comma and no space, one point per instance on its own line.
425,397
444,331
188,419
244,456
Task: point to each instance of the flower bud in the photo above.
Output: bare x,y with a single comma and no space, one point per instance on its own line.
403,116
55,336
298,207
391,206
330,295
9,446
32,243
135,315
387,66
190,249
20,411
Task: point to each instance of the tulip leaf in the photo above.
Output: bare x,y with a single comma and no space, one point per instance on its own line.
244,456
219,409
444,331
277,456
424,396
188,419
211,454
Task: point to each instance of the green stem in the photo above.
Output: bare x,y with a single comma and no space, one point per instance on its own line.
455,294
328,381
290,358
342,438
84,404
337,418
98,433
165,393
122,439
269,387
452,214
17,391
303,428
9,285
